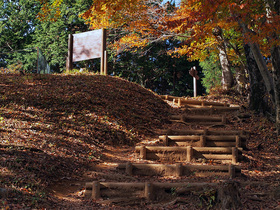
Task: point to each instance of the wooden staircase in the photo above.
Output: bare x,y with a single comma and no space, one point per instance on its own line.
181,153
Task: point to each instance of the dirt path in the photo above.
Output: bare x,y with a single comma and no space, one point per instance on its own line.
258,186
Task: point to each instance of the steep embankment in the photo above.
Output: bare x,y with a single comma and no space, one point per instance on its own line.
53,127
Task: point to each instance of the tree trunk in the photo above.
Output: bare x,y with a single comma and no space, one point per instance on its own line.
275,55
240,78
259,59
274,5
229,196
227,77
258,93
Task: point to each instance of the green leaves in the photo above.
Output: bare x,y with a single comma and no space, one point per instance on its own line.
52,36
20,29
212,72
153,68
16,29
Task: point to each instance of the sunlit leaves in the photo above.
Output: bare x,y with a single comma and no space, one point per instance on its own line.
132,40
141,21
50,10
199,17
111,13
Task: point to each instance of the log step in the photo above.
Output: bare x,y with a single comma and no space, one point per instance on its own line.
179,170
211,110
204,132
147,190
183,101
204,140
200,119
228,154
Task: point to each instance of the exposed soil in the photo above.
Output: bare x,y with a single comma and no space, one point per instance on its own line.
58,132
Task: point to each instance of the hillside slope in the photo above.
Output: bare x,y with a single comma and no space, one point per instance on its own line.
54,126
59,131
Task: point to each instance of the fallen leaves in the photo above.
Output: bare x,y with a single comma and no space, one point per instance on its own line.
54,126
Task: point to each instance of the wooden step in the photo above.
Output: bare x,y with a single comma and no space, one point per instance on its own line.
200,119
211,110
179,169
228,154
204,140
147,190
204,132
168,97
184,101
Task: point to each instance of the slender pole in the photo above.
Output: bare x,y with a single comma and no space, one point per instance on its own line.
194,87
103,63
38,72
69,61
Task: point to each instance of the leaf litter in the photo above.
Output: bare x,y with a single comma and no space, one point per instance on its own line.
59,131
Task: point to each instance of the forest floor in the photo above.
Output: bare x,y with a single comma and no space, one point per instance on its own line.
58,132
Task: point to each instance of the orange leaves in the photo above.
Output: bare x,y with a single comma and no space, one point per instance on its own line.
197,18
49,11
140,20
113,13
133,40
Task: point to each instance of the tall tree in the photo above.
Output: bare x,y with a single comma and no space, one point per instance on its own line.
261,31
18,21
256,23
153,68
51,35
274,15
227,77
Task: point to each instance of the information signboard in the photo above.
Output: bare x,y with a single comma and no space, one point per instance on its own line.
87,45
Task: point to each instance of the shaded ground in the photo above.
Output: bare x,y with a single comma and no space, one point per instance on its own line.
59,131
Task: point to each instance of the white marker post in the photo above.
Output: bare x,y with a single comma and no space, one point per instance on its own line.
194,87
193,72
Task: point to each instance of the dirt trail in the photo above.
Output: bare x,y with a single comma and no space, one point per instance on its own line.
55,138
106,171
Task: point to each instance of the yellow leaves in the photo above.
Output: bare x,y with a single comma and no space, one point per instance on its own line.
56,3
133,17
50,11
104,7
132,40
112,13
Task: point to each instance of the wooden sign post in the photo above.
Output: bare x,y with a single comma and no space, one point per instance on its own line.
87,45
193,72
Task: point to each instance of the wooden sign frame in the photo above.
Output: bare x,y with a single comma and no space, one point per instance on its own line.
85,46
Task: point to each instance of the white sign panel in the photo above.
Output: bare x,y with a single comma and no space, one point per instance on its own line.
87,45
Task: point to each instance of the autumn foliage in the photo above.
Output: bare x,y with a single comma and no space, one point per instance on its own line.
53,127
143,21
203,27
49,11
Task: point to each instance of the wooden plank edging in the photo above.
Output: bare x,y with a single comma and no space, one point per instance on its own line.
188,153
204,140
182,101
178,169
94,189
204,132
